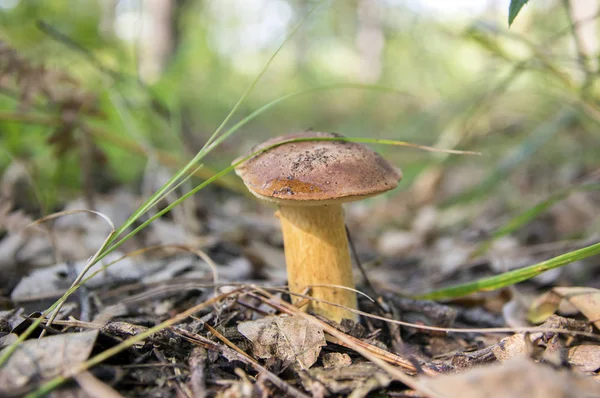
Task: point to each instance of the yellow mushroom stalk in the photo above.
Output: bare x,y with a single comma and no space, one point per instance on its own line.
309,181
316,253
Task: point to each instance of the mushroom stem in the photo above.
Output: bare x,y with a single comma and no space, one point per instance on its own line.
316,253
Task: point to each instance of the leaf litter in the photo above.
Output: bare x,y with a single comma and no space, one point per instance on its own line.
250,343
292,340
44,359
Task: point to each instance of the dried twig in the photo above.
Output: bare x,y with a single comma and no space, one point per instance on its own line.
197,364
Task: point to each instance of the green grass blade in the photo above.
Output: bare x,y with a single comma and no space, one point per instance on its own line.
177,180
528,215
538,138
240,161
511,277
260,74
514,9
207,147
276,101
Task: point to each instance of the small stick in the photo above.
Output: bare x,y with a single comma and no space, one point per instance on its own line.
228,343
373,291
197,362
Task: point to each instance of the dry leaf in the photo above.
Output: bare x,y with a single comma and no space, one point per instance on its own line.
37,360
519,377
543,306
584,299
585,357
511,347
290,339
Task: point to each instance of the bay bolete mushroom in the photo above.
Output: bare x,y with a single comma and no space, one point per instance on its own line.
309,181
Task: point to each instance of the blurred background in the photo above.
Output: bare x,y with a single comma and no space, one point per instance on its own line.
97,95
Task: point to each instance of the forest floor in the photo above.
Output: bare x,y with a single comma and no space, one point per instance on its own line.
213,269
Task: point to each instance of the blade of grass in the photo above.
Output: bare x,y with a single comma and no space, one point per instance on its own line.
526,149
91,262
206,149
514,9
104,355
511,277
237,126
260,74
528,215
242,160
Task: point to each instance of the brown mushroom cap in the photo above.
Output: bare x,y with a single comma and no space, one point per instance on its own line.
311,173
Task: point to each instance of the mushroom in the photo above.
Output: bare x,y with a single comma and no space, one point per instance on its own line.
309,181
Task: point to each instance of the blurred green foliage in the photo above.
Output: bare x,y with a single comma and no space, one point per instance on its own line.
461,80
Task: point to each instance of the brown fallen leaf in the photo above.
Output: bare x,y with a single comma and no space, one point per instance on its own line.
519,377
543,307
585,357
288,338
584,299
42,359
511,347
